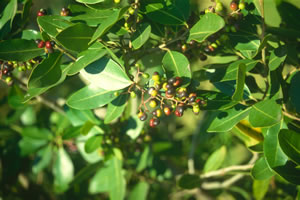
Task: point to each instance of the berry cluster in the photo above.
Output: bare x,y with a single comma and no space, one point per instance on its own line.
48,45
65,12
170,97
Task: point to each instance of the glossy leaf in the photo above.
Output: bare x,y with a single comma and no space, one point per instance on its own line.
87,57
140,191
29,145
261,170
215,160
208,24
289,172
176,64
115,108
109,179
226,120
93,143
90,97
79,117
265,114
293,91
53,24
63,170
8,13
289,142
277,57
47,73
44,159
240,82
30,34
260,188
134,127
189,181
141,35
107,74
19,50
76,37
37,133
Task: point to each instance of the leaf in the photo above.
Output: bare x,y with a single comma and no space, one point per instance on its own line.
90,97
37,133
289,172
144,159
109,179
261,170
107,24
294,93
134,127
47,73
76,37
260,188
176,64
265,114
189,181
89,1
26,10
226,120
228,88
44,159
208,24
107,74
63,171
8,13
93,143
173,14
53,24
141,35
290,143
215,160
19,50
272,151
241,75
277,57
79,117
115,108
29,145
245,128
87,57
140,191
71,132
30,34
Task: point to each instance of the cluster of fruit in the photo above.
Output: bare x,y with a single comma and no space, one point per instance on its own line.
171,98
48,45
63,12
7,67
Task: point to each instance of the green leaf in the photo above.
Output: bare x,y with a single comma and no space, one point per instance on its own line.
107,74
215,160
109,179
29,145
241,75
90,97
30,34
294,93
290,172
76,37
134,127
140,191
290,143
79,117
115,108
93,143
26,10
107,24
176,13
176,64
189,181
9,13
44,158
37,133
63,171
15,97
273,152
260,188
141,35
53,24
277,57
85,129
265,114
144,159
208,24
47,73
226,120
72,132
19,50
261,170
87,57
89,1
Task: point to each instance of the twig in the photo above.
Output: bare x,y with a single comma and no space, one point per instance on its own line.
224,171
65,52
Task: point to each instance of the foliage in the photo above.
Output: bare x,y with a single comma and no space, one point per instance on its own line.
76,90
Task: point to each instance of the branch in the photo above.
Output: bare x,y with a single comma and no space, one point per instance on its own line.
224,171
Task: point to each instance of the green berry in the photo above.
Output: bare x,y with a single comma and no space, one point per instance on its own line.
219,7
152,104
155,77
8,79
146,75
117,1
116,94
132,94
242,5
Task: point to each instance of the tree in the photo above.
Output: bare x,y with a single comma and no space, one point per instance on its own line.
164,99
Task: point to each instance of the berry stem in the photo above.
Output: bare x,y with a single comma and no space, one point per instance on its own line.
65,52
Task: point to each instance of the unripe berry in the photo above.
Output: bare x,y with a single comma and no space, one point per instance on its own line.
154,93
132,94
8,79
131,11
219,7
157,112
196,109
242,5
165,86
155,76
117,1
116,94
167,111
152,104
142,116
145,75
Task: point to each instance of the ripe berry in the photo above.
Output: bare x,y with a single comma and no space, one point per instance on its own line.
48,44
142,116
242,5
182,94
211,48
170,92
41,44
177,82
179,111
167,111
5,71
155,76
183,48
171,81
152,104
154,122
52,43
41,12
65,12
233,6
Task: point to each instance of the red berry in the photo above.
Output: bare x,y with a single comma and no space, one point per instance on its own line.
48,45
41,12
177,82
179,111
41,44
154,122
167,111
233,6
